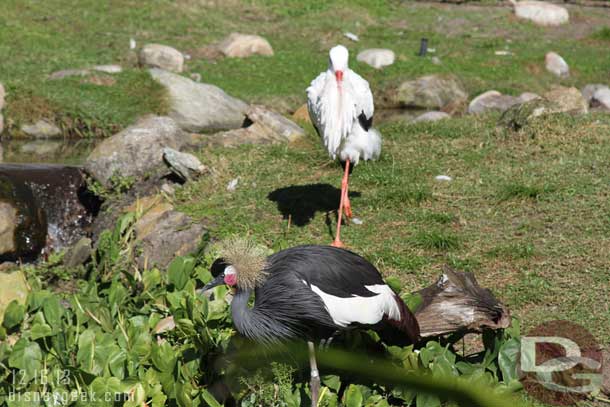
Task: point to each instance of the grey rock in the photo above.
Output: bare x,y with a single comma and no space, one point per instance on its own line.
280,125
521,115
199,107
377,57
41,147
8,225
601,99
135,150
431,117
238,45
162,56
555,64
589,90
541,13
66,73
527,96
492,100
163,233
429,92
79,253
41,129
568,100
109,69
436,60
184,165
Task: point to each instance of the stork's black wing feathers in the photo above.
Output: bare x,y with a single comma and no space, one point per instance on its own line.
338,272
365,122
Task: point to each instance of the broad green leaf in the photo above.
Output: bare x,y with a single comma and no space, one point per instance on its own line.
394,283
53,311
333,382
36,298
507,359
208,398
179,271
353,396
104,390
413,301
27,357
183,394
116,362
151,278
163,357
13,315
40,331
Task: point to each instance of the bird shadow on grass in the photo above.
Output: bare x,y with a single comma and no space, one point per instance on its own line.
301,202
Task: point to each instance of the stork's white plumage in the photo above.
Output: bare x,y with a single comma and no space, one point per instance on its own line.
340,105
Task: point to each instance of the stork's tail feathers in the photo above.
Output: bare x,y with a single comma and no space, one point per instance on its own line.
405,330
361,144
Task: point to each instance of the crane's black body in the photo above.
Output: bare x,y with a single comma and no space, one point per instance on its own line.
286,308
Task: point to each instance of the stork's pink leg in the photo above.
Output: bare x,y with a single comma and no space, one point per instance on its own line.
337,242
347,206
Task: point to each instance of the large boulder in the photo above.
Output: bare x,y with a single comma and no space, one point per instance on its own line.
134,151
162,56
377,57
556,65
568,100
541,13
429,92
589,90
163,233
601,99
492,100
522,115
199,107
238,45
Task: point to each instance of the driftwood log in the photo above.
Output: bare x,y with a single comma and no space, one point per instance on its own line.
456,303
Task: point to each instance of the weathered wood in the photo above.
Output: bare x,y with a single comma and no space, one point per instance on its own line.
457,304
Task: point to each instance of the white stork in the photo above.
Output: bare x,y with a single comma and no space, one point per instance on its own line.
340,105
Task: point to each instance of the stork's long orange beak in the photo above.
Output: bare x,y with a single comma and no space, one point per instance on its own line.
339,76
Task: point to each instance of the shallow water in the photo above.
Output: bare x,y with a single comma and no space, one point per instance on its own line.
67,151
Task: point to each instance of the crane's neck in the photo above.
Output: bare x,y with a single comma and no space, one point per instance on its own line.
256,323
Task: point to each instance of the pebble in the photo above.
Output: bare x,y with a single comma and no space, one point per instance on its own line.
443,178
351,36
232,185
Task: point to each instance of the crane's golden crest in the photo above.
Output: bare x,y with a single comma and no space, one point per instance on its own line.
248,259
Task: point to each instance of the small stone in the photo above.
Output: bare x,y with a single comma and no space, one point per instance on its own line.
109,69
184,165
41,129
238,45
503,53
443,178
431,117
377,57
601,99
556,65
66,73
162,56
568,100
78,254
490,101
541,13
357,221
196,77
168,189
589,90
351,36
435,60
132,43
232,185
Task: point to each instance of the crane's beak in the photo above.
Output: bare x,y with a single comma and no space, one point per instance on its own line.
215,282
339,76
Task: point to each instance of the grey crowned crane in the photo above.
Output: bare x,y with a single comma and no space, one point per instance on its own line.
308,292
340,105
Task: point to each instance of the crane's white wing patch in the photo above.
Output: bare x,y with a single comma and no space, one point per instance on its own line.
362,310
